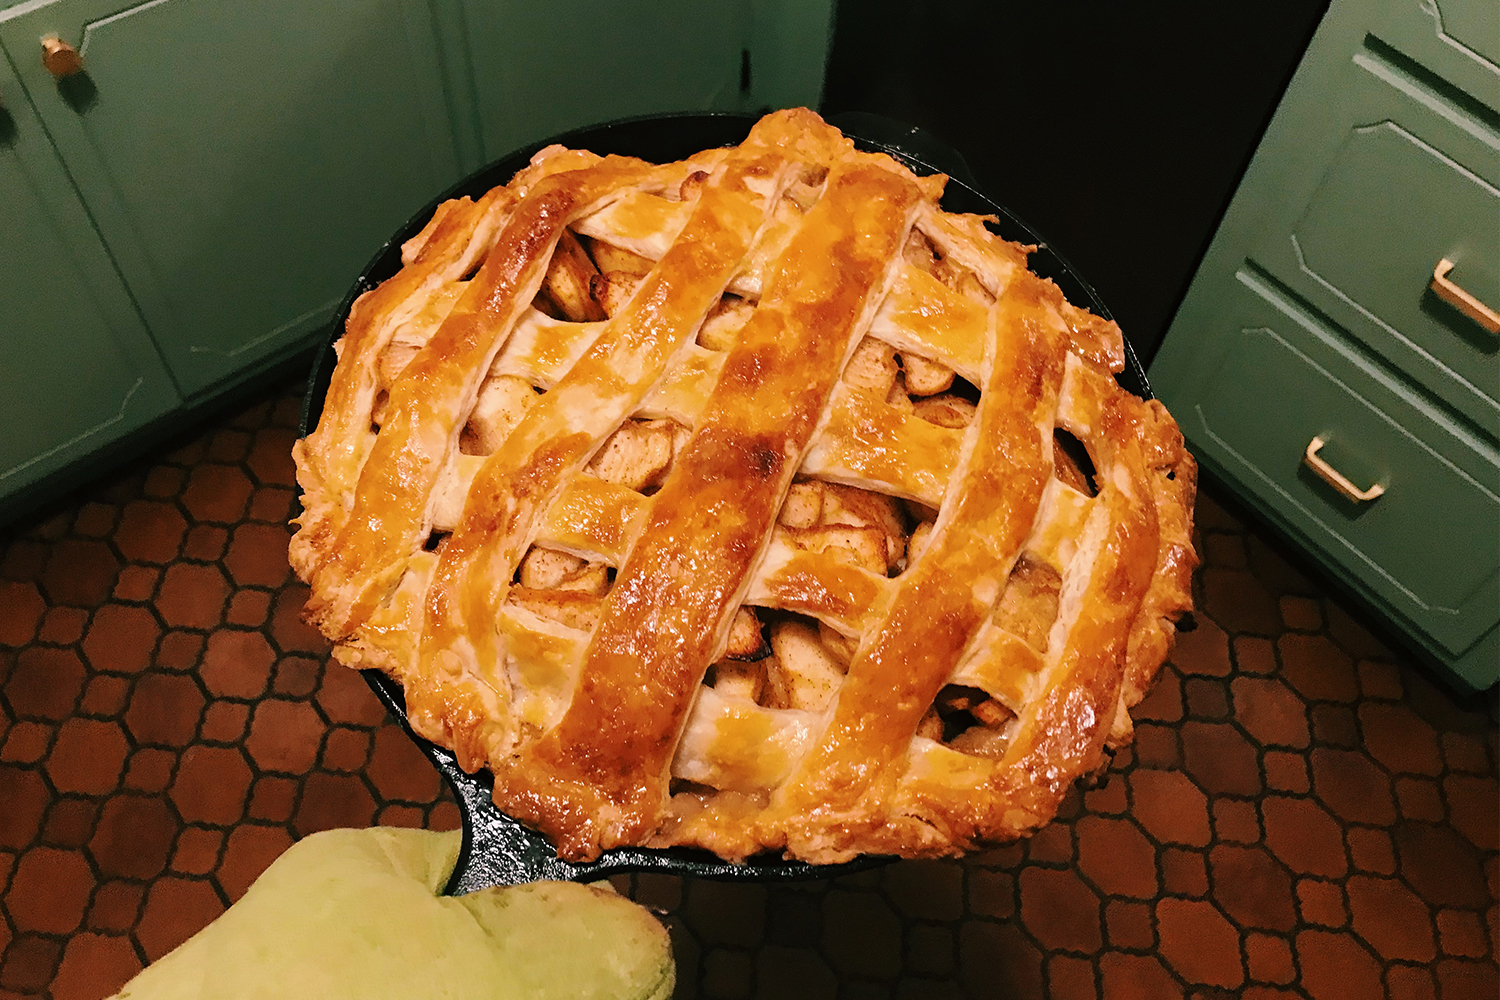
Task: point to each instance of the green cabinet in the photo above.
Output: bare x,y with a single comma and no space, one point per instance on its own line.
543,68
242,161
1313,344
238,163
95,375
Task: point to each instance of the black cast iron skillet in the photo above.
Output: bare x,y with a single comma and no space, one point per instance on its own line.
497,850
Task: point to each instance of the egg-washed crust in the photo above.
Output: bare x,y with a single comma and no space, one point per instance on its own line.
590,706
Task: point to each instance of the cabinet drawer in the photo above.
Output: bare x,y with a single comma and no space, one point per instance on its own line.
1412,182
1430,545
1457,40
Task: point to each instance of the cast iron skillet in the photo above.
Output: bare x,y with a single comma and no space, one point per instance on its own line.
497,850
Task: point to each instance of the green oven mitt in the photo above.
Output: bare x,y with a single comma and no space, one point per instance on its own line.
356,913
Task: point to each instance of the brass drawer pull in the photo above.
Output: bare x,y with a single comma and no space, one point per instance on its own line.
60,58
1461,300
1333,477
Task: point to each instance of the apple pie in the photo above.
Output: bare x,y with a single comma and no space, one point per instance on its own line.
750,502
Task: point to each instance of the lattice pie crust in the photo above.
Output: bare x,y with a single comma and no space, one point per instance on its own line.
746,502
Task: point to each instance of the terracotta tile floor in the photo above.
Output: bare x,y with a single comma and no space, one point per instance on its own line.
1303,814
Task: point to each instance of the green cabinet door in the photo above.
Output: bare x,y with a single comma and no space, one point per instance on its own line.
1412,182
79,370
543,68
242,161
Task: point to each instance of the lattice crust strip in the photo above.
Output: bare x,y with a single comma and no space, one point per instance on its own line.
750,502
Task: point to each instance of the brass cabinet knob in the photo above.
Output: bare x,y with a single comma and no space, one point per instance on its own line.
60,58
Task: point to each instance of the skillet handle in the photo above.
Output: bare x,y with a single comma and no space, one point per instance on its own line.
496,849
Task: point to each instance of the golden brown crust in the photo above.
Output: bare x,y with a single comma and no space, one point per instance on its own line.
423,414
599,778
328,460
1173,477
934,670
837,799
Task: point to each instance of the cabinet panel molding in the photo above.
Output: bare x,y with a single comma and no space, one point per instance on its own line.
1457,40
